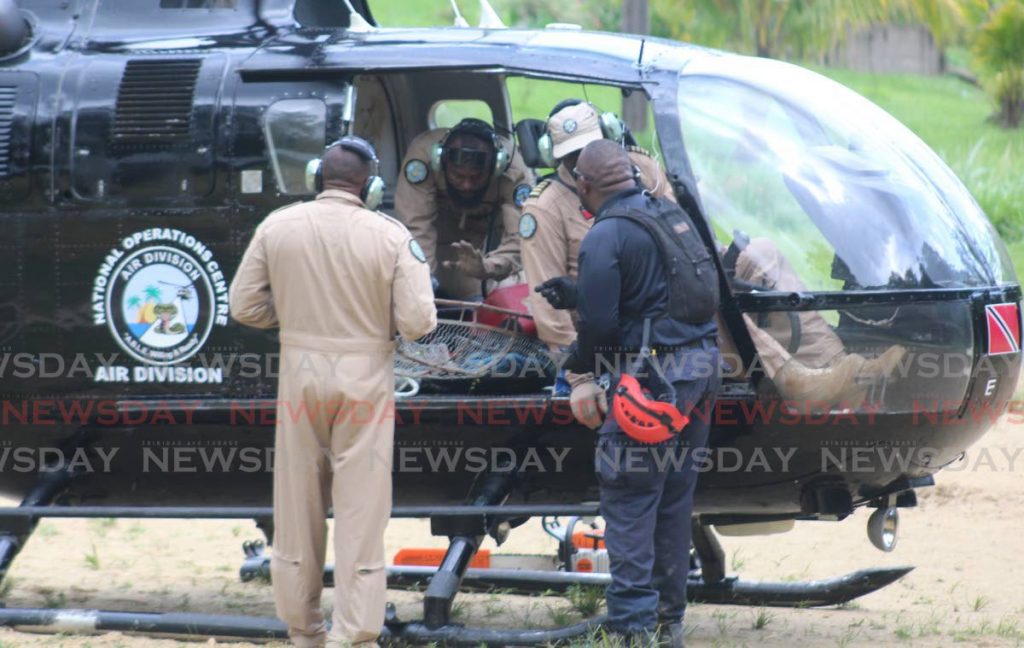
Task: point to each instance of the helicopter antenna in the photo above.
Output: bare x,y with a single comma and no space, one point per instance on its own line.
459,20
356,23
489,18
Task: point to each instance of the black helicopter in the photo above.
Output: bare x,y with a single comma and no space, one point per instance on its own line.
141,141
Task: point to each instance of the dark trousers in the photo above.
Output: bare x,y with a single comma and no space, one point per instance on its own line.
647,499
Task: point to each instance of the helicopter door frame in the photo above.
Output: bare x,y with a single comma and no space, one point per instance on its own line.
257,177
413,93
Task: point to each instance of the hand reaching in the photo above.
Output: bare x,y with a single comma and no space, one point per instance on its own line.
469,260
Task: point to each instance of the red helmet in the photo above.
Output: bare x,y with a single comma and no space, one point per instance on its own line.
644,419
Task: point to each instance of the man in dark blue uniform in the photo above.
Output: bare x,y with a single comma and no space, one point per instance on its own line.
646,489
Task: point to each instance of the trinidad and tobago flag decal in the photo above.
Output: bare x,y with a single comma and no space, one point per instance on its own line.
1003,328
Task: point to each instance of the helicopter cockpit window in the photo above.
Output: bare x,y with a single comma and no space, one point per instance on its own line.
295,130
851,198
447,113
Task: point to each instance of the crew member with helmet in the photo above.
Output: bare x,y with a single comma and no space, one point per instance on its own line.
647,290
338,279
459,193
553,223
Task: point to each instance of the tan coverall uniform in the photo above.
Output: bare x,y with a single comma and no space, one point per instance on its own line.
551,248
437,221
819,369
762,263
338,280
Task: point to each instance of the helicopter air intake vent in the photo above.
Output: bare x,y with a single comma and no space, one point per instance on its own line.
7,97
154,102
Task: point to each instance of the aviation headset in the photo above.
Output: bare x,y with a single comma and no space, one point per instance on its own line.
612,128
373,190
477,128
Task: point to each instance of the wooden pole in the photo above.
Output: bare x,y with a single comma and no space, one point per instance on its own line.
636,19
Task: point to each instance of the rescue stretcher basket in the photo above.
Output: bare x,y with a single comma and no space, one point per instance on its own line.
472,340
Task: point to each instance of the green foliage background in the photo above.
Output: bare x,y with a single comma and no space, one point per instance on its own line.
952,116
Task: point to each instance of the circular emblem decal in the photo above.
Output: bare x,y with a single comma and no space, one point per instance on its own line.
160,294
415,171
527,226
417,251
569,126
520,195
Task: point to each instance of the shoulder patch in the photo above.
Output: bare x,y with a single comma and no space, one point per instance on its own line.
417,251
527,226
416,171
639,149
521,193
539,189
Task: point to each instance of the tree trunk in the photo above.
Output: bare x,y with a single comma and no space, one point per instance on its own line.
636,19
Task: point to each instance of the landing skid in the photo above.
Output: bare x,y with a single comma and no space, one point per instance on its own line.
263,628
731,590
466,526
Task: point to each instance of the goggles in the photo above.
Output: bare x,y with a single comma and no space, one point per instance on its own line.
469,158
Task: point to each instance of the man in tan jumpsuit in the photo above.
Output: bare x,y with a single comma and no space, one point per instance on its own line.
338,280
463,204
819,369
553,225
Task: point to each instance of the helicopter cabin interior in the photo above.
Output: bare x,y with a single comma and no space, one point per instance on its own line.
391,109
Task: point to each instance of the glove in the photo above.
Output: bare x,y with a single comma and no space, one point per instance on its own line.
469,260
588,401
560,292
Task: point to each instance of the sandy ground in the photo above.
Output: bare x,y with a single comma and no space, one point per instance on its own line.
965,539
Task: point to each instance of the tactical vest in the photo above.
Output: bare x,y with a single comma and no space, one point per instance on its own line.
693,289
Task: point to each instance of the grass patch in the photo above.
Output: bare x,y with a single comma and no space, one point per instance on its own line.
53,599
459,610
761,620
585,600
101,526
561,616
92,559
735,562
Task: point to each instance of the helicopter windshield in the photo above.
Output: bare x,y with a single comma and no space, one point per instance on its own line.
850,197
